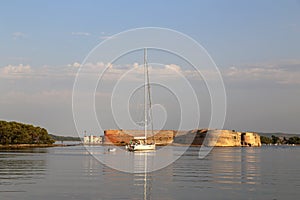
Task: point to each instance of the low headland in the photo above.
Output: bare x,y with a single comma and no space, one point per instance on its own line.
15,135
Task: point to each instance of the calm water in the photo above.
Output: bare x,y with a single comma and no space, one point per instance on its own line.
226,173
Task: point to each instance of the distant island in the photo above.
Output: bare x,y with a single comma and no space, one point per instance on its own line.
64,138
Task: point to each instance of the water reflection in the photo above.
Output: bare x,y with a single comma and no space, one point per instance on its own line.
143,179
251,168
195,172
225,172
235,166
89,166
133,162
224,168
21,167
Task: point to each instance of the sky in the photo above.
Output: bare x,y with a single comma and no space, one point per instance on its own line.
255,45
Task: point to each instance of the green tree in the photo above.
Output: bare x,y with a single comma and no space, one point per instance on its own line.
18,133
275,139
265,140
294,140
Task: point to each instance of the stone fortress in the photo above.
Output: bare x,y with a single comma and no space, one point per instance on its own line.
218,138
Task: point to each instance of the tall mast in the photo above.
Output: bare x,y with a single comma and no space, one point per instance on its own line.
145,93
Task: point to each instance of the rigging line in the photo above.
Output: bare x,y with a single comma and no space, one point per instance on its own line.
145,95
149,98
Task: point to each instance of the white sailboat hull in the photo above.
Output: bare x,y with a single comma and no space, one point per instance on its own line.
141,147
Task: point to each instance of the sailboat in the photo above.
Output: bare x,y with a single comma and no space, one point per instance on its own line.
141,143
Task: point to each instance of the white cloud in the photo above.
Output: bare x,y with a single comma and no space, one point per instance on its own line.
113,71
135,71
173,67
282,72
135,65
75,64
81,33
18,35
26,71
16,71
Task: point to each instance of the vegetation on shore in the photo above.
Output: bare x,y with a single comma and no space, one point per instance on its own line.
19,133
64,138
280,140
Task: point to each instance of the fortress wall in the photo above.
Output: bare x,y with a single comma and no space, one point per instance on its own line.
121,137
228,138
219,138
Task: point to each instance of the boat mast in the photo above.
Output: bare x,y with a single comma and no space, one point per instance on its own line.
145,94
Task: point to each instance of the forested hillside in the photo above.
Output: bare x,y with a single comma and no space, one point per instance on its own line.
18,133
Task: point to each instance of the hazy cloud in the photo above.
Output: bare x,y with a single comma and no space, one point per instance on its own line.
81,33
15,71
283,72
173,67
105,36
75,64
18,35
50,88
37,97
134,71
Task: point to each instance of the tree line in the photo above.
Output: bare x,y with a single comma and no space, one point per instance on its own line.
278,140
64,138
18,133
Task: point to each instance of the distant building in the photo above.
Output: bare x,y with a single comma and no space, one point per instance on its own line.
91,139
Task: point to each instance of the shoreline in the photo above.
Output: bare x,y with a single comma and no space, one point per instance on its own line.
21,146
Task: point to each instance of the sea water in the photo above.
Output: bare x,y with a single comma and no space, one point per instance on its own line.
268,172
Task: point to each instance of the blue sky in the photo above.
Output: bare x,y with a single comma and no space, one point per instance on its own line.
255,44
230,30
